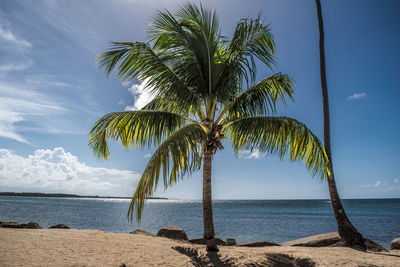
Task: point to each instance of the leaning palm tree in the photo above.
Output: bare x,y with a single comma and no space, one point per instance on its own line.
348,233
198,79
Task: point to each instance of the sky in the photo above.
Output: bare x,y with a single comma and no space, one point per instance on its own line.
51,93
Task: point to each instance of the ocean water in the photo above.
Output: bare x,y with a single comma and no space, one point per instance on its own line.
245,220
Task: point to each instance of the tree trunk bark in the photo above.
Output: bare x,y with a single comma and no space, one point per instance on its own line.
348,233
209,232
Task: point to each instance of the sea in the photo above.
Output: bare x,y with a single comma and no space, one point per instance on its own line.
244,220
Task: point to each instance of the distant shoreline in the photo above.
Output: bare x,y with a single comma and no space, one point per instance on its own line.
26,194
30,194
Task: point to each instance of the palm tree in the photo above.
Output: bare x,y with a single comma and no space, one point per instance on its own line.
197,77
348,233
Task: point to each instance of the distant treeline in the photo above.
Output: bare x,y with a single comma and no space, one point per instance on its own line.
24,194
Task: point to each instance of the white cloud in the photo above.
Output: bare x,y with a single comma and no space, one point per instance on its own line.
126,83
14,66
357,96
379,186
76,21
378,183
121,102
7,120
10,37
148,155
53,171
18,105
60,84
45,80
375,185
40,81
250,154
232,181
141,95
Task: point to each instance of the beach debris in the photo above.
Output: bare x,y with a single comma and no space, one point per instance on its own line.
59,226
259,244
173,232
231,242
395,244
141,232
203,241
29,225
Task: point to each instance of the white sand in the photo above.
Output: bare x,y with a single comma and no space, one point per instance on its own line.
62,247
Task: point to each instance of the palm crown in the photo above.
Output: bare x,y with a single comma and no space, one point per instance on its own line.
204,91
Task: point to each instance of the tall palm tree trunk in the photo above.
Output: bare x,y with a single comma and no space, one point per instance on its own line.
209,232
348,233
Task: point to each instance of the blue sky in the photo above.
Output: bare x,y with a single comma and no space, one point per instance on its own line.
51,93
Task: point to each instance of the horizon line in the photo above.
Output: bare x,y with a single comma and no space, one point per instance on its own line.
69,195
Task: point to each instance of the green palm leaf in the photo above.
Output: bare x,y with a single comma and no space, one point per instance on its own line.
179,154
261,98
253,38
173,37
133,128
139,60
280,135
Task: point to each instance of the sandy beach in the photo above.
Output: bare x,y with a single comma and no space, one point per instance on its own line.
61,247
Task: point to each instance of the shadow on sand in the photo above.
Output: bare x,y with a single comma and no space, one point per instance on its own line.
271,259
211,259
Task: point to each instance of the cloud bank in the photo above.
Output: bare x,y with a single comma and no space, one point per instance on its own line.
57,171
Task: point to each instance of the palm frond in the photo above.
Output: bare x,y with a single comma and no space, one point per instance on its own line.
169,35
261,98
164,104
133,128
138,60
251,40
203,26
160,104
176,156
280,135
